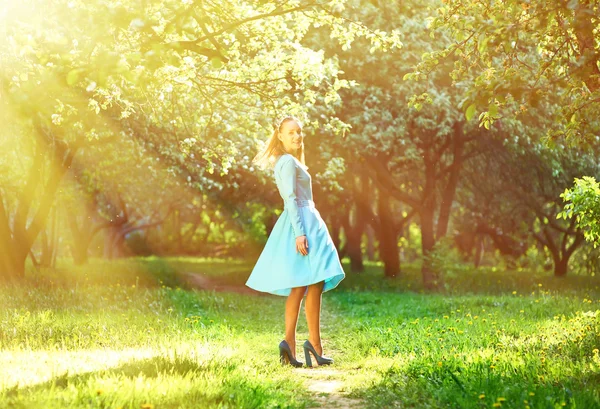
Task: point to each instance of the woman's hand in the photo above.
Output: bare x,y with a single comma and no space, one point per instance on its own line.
302,245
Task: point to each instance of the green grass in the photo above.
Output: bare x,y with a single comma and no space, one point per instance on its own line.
112,335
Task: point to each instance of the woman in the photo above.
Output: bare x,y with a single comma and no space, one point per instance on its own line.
299,257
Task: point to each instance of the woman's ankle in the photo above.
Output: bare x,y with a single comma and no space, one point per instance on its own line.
316,345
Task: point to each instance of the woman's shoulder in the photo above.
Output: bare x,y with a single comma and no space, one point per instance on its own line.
286,159
283,159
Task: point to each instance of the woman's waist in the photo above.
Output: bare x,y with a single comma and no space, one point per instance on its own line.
303,203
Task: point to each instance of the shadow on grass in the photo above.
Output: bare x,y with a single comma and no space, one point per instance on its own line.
425,384
184,382
148,367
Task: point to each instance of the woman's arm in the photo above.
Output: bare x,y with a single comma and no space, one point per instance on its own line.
285,177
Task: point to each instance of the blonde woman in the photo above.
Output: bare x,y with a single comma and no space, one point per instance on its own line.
299,257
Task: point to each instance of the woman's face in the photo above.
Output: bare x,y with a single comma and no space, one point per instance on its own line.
291,136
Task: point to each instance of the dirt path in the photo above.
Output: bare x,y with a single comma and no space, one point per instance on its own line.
326,383
199,282
328,388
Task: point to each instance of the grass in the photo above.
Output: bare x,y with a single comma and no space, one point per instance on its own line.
124,335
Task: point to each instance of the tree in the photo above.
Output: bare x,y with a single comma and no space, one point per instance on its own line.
521,195
413,158
582,205
512,54
206,72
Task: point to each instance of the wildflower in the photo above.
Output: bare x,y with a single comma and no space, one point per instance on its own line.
147,406
595,350
514,292
522,311
99,392
482,396
440,363
501,399
446,317
531,394
497,404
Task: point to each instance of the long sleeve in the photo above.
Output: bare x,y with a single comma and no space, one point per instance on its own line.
285,177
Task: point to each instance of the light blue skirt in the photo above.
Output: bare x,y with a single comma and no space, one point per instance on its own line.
280,268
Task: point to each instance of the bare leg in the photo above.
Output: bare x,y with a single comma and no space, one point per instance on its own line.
292,309
313,315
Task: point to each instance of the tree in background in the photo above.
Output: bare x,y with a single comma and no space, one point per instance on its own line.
519,197
205,74
405,162
583,207
511,55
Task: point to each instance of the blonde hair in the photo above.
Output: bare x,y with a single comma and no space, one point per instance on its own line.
273,147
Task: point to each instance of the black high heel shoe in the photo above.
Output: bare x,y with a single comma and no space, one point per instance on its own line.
285,355
321,360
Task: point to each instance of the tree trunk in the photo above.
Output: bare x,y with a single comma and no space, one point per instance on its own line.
353,242
335,231
478,250
450,189
560,267
388,237
427,215
370,233
81,240
46,256
24,234
427,244
6,244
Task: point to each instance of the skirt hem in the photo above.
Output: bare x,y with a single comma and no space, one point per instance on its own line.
334,280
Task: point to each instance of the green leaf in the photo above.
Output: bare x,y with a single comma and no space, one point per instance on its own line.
73,76
483,44
470,112
216,63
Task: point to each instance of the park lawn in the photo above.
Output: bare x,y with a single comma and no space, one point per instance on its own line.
124,335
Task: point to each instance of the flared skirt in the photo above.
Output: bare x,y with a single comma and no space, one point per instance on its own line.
280,267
